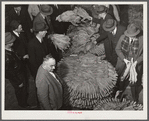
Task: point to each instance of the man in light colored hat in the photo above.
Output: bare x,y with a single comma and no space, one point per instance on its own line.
44,16
14,71
114,31
130,56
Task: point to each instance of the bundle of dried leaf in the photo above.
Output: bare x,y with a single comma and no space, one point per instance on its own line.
77,16
116,104
87,79
60,41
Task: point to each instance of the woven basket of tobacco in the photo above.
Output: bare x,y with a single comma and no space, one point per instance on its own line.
87,79
116,104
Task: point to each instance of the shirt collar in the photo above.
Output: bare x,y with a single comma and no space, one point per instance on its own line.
114,31
104,16
54,77
43,16
39,39
17,34
16,11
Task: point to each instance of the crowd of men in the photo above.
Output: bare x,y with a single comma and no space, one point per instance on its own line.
28,47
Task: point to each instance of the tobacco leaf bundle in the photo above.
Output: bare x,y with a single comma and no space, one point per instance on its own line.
60,41
86,79
76,16
116,104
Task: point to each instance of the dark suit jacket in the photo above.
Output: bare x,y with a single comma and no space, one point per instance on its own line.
56,53
49,90
39,18
14,69
37,51
113,39
20,44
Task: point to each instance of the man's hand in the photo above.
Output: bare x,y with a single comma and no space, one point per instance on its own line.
135,63
126,61
31,30
21,85
26,56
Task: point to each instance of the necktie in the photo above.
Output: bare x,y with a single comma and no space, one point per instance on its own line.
131,40
46,20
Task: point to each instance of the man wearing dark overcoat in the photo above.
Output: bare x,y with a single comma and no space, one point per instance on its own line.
14,71
114,31
38,47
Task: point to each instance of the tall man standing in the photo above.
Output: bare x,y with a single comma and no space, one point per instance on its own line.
14,71
102,12
38,47
44,16
114,31
20,44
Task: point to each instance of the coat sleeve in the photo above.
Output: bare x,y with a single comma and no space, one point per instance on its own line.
32,56
118,49
103,36
11,74
43,93
140,58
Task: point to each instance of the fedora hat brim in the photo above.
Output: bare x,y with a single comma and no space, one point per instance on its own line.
47,13
131,35
11,41
43,29
108,29
40,29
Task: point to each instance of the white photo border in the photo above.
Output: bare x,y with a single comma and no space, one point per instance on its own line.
74,114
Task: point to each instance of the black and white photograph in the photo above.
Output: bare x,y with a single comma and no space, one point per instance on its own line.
74,60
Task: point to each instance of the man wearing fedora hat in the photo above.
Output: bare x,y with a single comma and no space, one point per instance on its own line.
20,44
44,16
114,31
38,47
14,71
102,14
111,9
130,52
101,11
